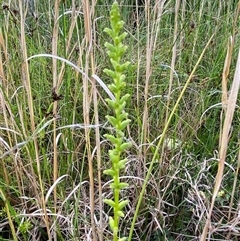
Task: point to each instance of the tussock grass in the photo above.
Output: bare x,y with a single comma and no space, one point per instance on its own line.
183,165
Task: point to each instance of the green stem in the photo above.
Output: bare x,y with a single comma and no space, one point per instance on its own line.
116,218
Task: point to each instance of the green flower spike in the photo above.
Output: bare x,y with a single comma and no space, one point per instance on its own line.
119,120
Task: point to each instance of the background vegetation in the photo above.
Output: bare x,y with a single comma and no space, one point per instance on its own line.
52,121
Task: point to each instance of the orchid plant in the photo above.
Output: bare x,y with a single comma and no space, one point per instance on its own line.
119,120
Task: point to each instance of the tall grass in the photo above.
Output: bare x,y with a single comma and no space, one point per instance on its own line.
183,165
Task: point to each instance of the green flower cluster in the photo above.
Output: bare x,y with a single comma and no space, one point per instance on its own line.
119,120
